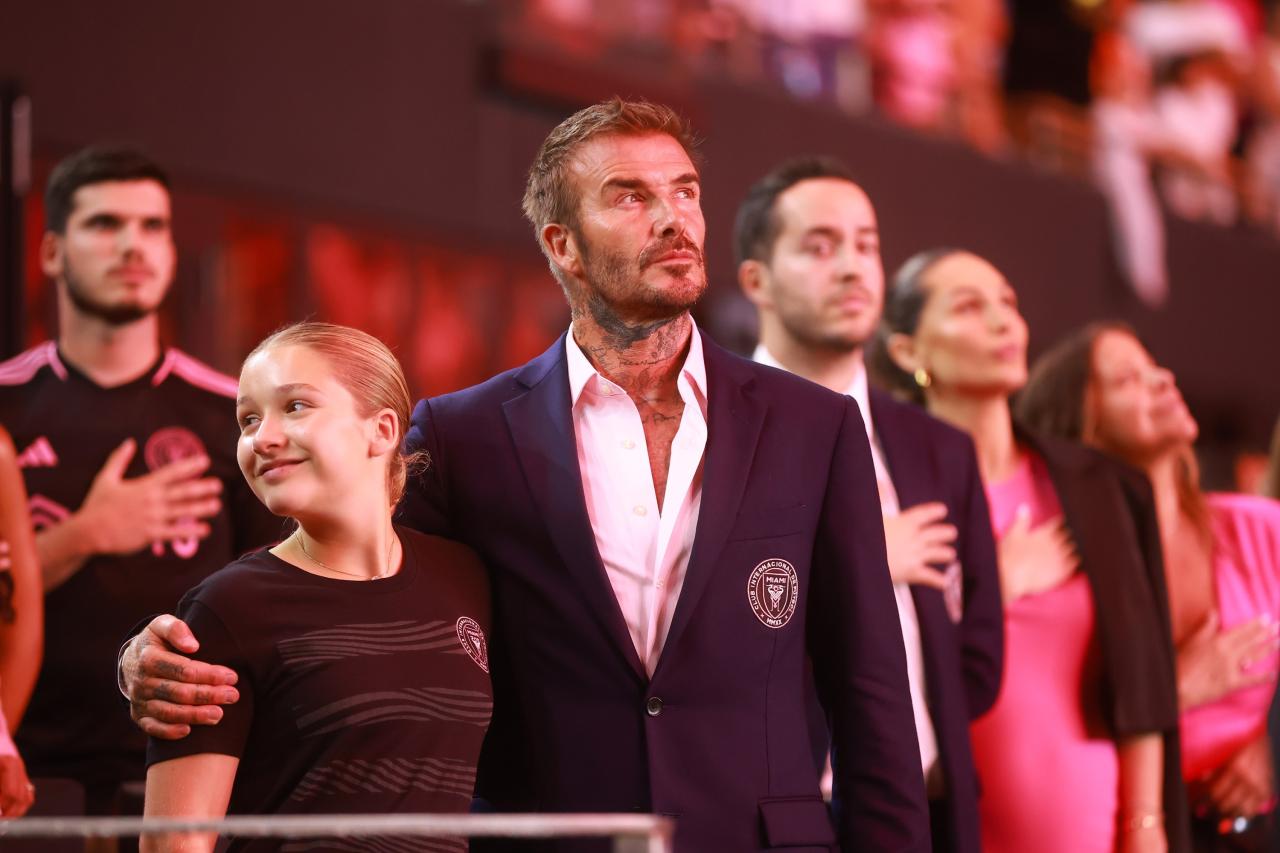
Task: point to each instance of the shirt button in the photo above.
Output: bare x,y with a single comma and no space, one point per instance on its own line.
628,444
640,511
653,707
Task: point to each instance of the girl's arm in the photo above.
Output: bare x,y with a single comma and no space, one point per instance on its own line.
1141,811
194,786
22,607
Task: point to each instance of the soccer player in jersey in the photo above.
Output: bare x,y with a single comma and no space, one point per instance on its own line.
127,451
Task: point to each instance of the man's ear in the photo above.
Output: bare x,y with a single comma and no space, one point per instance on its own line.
562,248
753,278
902,351
51,254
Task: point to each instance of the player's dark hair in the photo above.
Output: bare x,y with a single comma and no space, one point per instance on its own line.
93,165
756,228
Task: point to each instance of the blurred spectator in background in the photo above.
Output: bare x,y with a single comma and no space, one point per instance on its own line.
1169,29
1187,90
1046,79
1127,132
982,28
1261,188
1197,47
1197,107
811,47
1130,135
1221,561
913,55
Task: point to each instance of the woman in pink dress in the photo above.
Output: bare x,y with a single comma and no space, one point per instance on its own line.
1222,560
1079,753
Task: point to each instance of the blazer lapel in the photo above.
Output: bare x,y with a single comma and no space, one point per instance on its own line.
903,455
541,424
911,483
734,420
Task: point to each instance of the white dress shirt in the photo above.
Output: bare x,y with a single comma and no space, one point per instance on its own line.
858,390
645,550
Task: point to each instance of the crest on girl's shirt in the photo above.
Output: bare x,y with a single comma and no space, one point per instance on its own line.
773,592
471,636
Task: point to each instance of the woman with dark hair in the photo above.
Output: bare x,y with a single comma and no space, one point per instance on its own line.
1101,386
1088,692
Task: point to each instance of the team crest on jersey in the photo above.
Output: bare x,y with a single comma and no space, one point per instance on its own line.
171,444
773,592
473,643
46,512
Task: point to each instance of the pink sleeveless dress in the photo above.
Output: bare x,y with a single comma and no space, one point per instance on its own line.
1246,576
1047,766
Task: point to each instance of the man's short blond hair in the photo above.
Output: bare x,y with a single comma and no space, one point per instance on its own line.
548,195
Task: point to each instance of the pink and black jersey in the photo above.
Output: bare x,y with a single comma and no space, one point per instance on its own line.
64,427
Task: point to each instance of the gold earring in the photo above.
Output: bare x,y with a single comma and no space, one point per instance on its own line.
922,377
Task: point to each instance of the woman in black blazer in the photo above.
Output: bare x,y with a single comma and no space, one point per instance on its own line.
1080,752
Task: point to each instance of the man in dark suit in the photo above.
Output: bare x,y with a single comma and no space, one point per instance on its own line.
673,533
807,243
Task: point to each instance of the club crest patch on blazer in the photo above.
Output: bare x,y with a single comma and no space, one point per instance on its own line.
773,592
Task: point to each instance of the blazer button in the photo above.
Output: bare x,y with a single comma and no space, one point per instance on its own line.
653,707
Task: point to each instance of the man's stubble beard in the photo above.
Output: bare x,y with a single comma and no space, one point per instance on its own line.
611,276
121,314
809,333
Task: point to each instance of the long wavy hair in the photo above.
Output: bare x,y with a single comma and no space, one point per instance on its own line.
1058,400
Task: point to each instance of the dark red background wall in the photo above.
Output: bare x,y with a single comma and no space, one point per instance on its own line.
416,116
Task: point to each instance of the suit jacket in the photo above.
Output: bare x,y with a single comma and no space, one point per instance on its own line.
718,736
1110,511
932,461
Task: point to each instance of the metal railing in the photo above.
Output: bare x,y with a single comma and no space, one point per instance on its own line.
630,833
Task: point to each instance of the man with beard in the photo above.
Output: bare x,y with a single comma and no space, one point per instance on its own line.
672,533
128,453
808,248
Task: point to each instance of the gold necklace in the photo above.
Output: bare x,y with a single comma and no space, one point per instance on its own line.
302,543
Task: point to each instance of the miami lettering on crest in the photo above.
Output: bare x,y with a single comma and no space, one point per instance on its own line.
773,592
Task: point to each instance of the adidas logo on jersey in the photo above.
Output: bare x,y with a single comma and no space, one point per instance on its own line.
39,455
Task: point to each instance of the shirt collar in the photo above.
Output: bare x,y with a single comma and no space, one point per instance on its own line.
582,372
858,389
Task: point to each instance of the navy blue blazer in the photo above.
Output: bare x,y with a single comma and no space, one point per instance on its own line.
718,737
929,461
